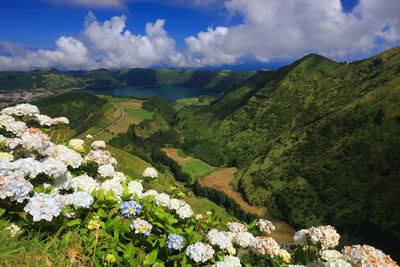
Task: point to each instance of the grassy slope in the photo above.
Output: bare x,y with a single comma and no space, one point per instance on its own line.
316,143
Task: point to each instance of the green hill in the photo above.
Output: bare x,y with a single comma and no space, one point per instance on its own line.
317,142
52,79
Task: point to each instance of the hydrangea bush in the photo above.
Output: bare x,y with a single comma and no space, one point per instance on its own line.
62,188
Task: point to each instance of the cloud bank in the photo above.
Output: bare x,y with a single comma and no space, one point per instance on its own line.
269,30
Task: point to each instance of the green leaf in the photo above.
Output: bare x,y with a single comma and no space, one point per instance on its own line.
151,257
128,253
73,222
2,211
102,213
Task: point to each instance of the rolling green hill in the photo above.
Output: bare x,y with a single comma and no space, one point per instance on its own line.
317,142
52,79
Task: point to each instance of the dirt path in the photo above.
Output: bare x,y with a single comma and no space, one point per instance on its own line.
220,180
173,154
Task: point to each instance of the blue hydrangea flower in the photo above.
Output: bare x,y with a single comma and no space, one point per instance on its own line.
130,208
175,242
141,226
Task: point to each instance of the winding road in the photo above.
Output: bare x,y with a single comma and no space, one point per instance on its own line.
115,122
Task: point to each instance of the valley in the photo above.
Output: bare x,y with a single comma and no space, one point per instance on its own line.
315,142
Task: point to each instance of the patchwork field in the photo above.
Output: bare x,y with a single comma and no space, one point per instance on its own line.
195,167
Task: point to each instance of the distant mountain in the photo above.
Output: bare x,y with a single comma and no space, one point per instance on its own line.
52,79
317,142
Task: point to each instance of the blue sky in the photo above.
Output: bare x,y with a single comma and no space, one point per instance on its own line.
207,34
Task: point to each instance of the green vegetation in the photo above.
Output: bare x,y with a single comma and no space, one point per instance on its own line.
193,101
83,110
52,79
315,142
196,168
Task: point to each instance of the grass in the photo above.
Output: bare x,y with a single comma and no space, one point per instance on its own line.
193,101
128,163
33,251
197,168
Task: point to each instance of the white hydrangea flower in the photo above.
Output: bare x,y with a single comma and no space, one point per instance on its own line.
200,252
243,239
367,256
14,186
120,177
300,237
184,212
113,161
162,199
99,156
6,165
44,120
175,204
33,139
236,227
265,226
265,245
13,142
331,255
54,167
150,172
106,170
43,206
115,186
21,110
80,199
68,156
337,263
28,166
13,229
89,136
60,120
98,144
64,181
76,144
135,187
150,192
326,235
9,123
6,156
85,183
219,238
229,261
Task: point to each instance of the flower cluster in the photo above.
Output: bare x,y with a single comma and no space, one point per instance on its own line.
200,252
219,238
141,226
265,226
43,206
98,144
14,186
80,199
265,245
325,235
174,241
367,256
150,172
130,208
236,227
229,261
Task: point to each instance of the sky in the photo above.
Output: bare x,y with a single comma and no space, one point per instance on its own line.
201,34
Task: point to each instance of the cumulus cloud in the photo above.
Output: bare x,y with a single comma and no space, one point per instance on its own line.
103,45
268,30
282,28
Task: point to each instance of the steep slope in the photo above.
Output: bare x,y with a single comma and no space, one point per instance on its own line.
318,143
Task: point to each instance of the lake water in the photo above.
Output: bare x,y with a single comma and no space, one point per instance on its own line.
169,93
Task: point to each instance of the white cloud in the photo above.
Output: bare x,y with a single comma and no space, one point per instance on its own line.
269,30
283,28
103,45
